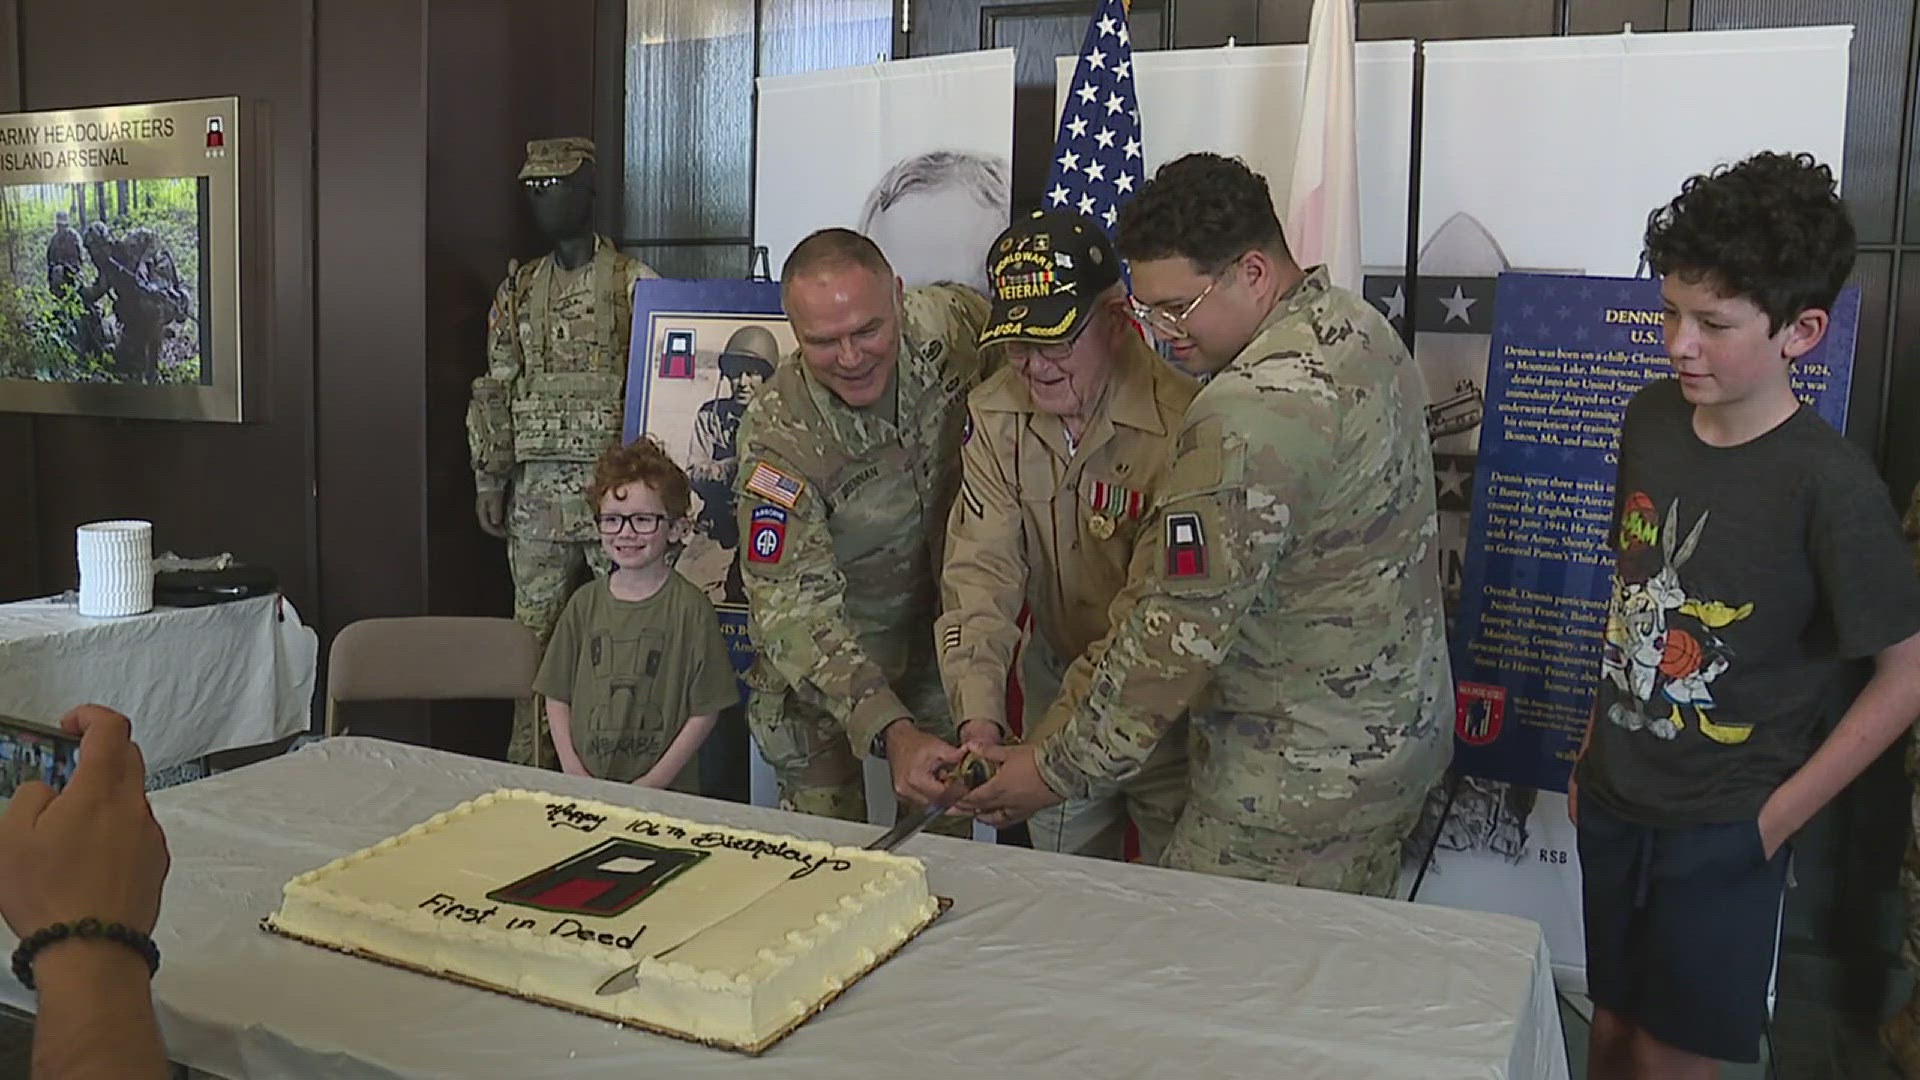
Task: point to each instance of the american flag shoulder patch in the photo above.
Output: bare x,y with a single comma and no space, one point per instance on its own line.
775,486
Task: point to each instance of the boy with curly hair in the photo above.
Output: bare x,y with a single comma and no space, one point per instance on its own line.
1757,554
636,672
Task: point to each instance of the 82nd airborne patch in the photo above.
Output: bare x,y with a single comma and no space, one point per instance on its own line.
766,534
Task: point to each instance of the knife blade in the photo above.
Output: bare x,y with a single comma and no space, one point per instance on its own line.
969,774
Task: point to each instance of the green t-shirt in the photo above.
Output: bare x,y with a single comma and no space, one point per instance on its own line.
633,672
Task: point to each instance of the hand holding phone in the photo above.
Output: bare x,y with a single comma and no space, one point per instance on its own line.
30,751
92,851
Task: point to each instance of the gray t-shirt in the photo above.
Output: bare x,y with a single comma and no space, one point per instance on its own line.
633,672
1746,577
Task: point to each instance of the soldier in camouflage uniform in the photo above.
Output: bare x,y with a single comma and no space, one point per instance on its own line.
1067,447
1902,1033
849,460
1289,571
551,401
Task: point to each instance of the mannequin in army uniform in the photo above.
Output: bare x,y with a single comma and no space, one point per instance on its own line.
551,400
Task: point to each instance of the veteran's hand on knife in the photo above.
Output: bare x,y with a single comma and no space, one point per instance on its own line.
918,760
1016,791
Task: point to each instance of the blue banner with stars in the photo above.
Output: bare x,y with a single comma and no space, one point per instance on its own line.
1568,354
1098,161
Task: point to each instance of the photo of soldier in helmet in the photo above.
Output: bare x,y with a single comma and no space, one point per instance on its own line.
746,361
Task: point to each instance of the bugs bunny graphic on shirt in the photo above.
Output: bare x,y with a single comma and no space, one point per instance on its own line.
1663,649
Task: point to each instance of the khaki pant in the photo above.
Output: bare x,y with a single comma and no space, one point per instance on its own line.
1096,825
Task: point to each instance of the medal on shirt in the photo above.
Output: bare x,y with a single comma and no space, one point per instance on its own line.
1110,502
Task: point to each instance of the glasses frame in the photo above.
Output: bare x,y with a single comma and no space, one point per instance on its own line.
1173,325
630,521
1022,353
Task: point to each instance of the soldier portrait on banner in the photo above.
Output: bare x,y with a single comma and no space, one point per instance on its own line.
700,351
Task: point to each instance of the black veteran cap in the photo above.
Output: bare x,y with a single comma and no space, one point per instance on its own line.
1046,271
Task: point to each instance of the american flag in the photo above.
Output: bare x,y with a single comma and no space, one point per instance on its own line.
1098,162
770,483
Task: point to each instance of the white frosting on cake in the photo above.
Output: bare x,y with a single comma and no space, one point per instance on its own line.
757,930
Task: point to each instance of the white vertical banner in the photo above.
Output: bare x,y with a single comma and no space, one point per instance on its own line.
1247,102
1548,154
916,154
1323,201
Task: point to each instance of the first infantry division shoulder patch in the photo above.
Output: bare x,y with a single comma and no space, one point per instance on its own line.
1186,546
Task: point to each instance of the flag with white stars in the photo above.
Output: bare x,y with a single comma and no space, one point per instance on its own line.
1098,162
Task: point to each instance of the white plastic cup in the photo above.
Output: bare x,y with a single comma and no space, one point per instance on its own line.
116,567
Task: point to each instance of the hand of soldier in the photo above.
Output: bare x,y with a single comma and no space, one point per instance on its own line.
975,734
1015,793
917,759
491,508
91,851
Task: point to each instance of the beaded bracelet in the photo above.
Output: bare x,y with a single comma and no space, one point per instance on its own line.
85,928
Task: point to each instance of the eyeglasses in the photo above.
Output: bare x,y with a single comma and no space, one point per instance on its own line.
1172,325
1021,352
643,524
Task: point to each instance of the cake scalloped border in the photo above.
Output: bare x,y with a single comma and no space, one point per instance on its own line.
941,906
586,951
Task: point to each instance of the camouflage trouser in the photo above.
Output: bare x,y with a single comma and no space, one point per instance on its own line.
1363,861
812,762
545,573
1902,1032
1097,824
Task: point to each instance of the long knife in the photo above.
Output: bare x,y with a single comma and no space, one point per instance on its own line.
970,774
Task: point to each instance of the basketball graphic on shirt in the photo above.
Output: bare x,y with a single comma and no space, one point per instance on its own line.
1680,655
1639,522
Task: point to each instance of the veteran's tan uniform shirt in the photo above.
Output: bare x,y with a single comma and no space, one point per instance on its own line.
1048,524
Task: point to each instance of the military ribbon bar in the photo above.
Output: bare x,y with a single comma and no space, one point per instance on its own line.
1116,501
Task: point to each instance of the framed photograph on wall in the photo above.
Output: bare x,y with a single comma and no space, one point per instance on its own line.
120,261
700,350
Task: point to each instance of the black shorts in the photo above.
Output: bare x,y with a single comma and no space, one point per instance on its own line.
1682,926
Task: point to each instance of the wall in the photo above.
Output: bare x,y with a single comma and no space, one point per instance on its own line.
377,222
498,74
246,488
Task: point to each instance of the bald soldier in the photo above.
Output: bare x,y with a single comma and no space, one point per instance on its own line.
849,460
1067,446
1288,573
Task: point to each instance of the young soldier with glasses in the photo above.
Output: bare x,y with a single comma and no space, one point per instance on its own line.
1286,588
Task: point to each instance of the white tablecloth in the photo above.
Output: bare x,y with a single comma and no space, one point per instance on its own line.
1047,965
192,680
